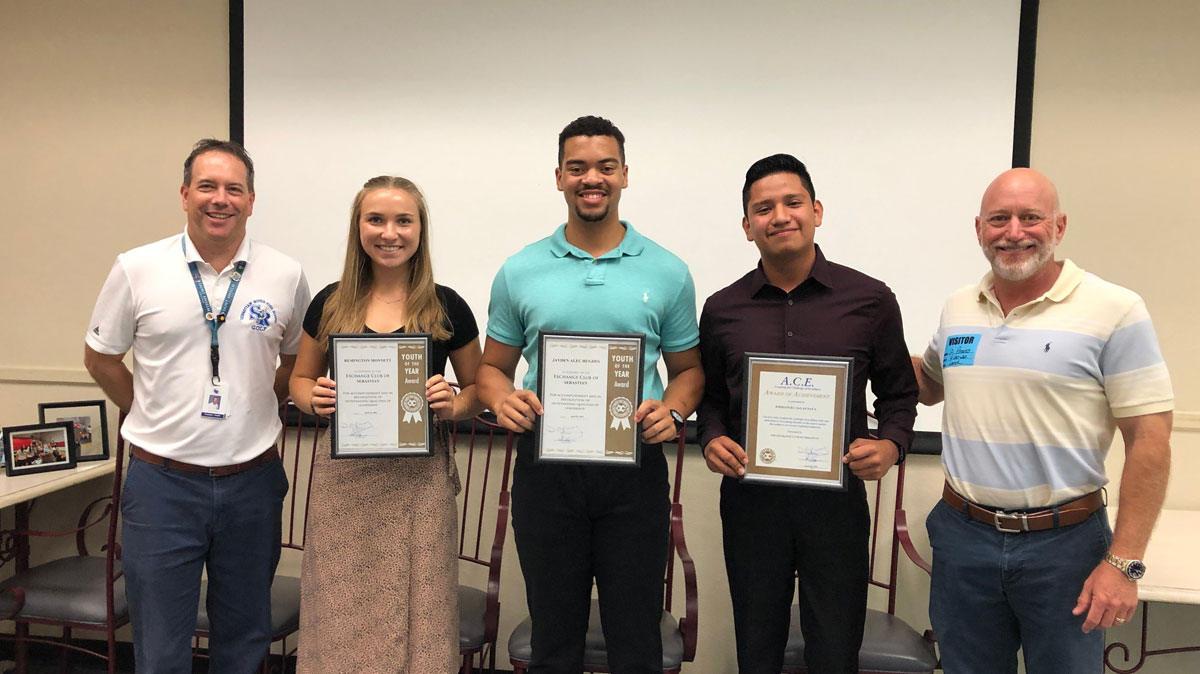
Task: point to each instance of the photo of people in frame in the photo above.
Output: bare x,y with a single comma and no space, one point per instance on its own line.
89,419
39,448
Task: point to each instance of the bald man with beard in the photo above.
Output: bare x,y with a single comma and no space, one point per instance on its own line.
1039,364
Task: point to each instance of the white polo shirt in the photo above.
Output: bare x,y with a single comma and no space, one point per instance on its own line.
149,303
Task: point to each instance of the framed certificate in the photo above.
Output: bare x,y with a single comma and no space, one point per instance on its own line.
590,384
381,408
796,418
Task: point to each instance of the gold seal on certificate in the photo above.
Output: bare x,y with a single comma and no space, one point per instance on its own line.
381,407
589,384
796,418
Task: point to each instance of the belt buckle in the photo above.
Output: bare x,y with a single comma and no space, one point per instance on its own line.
212,471
1022,518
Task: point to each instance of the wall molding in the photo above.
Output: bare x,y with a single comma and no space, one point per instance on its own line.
1184,420
45,375
1187,421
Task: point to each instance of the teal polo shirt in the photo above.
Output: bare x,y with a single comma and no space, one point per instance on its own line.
637,287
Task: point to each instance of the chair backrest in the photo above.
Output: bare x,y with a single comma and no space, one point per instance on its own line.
297,449
677,548
483,504
112,545
889,533
484,475
676,509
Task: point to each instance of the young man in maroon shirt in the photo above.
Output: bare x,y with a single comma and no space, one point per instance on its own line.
797,302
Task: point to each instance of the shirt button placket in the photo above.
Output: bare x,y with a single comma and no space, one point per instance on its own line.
789,319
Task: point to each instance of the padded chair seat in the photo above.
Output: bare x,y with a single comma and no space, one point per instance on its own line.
285,606
594,652
472,602
889,645
68,590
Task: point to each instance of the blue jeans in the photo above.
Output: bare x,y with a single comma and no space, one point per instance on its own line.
995,592
175,524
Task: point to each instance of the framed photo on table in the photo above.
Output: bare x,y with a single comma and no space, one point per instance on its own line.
797,415
39,448
90,421
590,385
381,408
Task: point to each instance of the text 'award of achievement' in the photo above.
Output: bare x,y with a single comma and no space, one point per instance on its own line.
590,384
797,419
381,408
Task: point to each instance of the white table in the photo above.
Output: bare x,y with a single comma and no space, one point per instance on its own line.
1171,576
22,488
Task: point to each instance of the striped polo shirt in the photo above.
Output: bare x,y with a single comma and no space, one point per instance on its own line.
1032,398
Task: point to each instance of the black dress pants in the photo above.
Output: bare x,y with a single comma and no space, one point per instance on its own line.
573,522
774,535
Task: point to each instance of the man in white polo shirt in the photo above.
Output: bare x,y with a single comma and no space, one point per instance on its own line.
1038,365
213,320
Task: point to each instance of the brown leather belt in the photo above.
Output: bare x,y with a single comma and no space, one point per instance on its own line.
1065,515
268,456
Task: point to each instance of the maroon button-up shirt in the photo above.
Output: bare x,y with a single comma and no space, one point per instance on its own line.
836,311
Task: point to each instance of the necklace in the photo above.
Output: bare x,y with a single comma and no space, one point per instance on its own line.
387,301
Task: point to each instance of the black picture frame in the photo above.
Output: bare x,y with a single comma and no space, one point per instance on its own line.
89,447
26,439
342,429
637,340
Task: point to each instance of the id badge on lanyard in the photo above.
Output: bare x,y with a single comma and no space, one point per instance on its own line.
215,395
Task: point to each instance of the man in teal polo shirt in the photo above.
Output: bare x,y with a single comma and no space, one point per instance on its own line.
573,522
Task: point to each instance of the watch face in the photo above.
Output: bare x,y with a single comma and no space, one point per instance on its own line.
677,417
1136,569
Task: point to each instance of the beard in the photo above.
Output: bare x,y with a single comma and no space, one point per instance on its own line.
598,216
1023,268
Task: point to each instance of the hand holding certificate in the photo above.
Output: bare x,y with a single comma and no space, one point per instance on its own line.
590,385
796,419
381,408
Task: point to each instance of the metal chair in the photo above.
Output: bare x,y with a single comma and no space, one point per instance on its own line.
479,610
84,592
678,635
297,449
890,645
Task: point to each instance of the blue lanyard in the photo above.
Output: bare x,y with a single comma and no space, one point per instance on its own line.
215,321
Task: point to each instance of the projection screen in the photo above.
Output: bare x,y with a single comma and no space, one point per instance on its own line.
902,111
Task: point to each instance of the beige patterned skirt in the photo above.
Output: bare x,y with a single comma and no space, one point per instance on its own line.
379,581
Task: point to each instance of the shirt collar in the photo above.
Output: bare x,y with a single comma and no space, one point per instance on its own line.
190,254
632,243
821,273
1068,279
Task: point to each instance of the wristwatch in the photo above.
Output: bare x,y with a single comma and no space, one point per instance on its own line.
1132,568
678,419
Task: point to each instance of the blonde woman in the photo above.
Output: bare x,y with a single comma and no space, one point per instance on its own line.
380,572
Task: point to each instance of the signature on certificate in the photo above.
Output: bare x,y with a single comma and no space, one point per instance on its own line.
358,429
566,433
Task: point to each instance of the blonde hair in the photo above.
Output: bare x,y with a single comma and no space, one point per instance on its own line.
346,307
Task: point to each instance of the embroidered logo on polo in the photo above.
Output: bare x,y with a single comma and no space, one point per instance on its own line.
260,313
960,350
